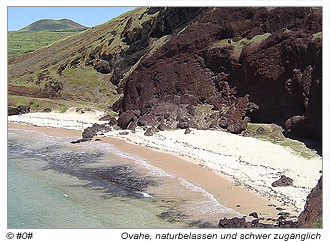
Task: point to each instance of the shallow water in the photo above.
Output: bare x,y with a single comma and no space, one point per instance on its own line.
55,184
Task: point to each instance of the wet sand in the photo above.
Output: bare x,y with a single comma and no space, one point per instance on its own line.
223,188
46,130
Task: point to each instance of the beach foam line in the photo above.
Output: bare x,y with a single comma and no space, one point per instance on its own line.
210,205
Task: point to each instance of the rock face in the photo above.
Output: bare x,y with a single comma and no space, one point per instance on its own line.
258,64
312,214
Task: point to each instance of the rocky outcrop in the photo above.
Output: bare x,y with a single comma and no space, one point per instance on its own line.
311,217
262,65
20,109
90,132
242,223
287,66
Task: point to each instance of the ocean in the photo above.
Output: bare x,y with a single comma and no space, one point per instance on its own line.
55,184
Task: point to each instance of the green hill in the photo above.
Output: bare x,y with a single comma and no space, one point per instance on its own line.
63,25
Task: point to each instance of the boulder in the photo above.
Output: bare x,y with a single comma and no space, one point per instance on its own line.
125,118
247,133
254,214
92,131
182,125
260,130
113,121
282,182
149,132
146,120
18,110
237,127
232,223
105,118
132,126
124,133
187,131
161,127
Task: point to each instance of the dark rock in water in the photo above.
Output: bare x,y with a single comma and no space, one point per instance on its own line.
92,131
171,216
149,132
187,131
113,121
312,214
105,118
282,182
125,118
97,139
260,130
161,127
47,110
88,134
79,141
254,214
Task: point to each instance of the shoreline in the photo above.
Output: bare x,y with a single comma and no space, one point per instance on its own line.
223,188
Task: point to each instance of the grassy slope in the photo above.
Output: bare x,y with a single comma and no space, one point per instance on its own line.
81,84
274,134
20,43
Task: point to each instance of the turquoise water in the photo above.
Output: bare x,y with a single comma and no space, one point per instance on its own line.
55,184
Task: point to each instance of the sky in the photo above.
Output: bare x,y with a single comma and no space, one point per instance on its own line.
19,17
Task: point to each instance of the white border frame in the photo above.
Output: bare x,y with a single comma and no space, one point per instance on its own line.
115,234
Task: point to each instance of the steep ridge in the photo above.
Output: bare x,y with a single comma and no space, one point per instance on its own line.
259,52
108,53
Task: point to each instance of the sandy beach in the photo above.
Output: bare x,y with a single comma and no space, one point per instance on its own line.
237,171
